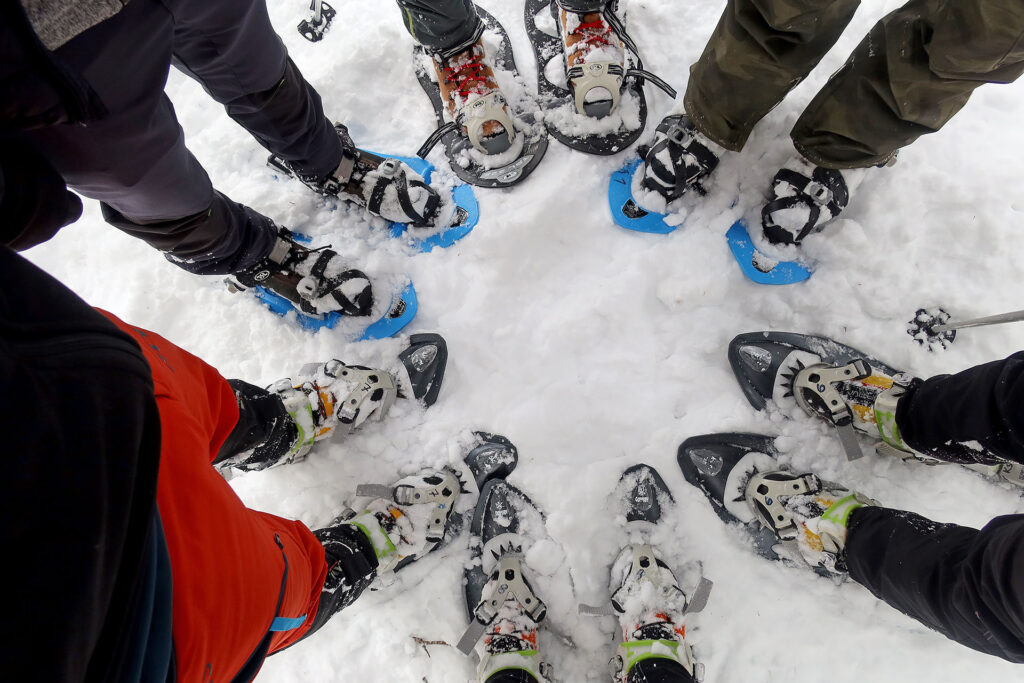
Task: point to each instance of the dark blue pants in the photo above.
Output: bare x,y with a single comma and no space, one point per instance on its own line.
135,160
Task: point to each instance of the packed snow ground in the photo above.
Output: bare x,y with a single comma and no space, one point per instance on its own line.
593,348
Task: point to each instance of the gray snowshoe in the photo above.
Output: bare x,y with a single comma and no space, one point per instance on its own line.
722,466
565,126
642,492
462,158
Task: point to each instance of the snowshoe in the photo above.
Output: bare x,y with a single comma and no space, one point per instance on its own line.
399,191
596,103
334,397
321,291
845,387
678,161
515,564
646,598
493,138
493,457
780,511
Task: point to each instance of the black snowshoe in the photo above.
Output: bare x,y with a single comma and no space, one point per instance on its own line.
596,132
502,168
845,387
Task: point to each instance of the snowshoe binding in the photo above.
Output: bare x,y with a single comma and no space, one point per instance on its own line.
335,397
396,189
678,161
489,131
409,519
846,388
322,291
590,77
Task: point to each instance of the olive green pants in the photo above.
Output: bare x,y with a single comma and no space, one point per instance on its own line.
913,71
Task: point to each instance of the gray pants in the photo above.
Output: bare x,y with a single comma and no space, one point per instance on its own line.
915,69
135,161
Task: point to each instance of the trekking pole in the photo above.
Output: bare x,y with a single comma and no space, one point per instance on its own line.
312,29
932,326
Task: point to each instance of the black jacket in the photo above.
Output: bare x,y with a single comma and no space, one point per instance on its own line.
82,451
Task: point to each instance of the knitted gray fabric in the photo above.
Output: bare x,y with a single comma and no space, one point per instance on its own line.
58,21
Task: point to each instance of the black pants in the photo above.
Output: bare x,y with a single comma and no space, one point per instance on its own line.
135,161
966,584
984,404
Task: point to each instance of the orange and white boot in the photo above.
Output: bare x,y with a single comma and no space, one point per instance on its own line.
473,99
595,61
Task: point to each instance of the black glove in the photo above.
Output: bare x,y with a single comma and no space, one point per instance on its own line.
34,200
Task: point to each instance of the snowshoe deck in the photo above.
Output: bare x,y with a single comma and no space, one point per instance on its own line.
425,360
494,457
758,358
642,492
625,209
721,465
759,267
568,126
500,509
499,170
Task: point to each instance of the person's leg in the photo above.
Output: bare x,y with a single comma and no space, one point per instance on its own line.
231,49
983,404
964,583
235,570
135,161
759,51
582,6
915,69
442,26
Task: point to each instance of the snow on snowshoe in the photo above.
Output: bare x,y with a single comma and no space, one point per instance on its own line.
482,99
641,493
324,398
574,116
646,598
626,211
414,516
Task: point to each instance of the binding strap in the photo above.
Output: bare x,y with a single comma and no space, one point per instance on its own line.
391,173
690,160
825,189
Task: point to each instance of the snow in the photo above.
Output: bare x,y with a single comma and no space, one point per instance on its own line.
593,349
